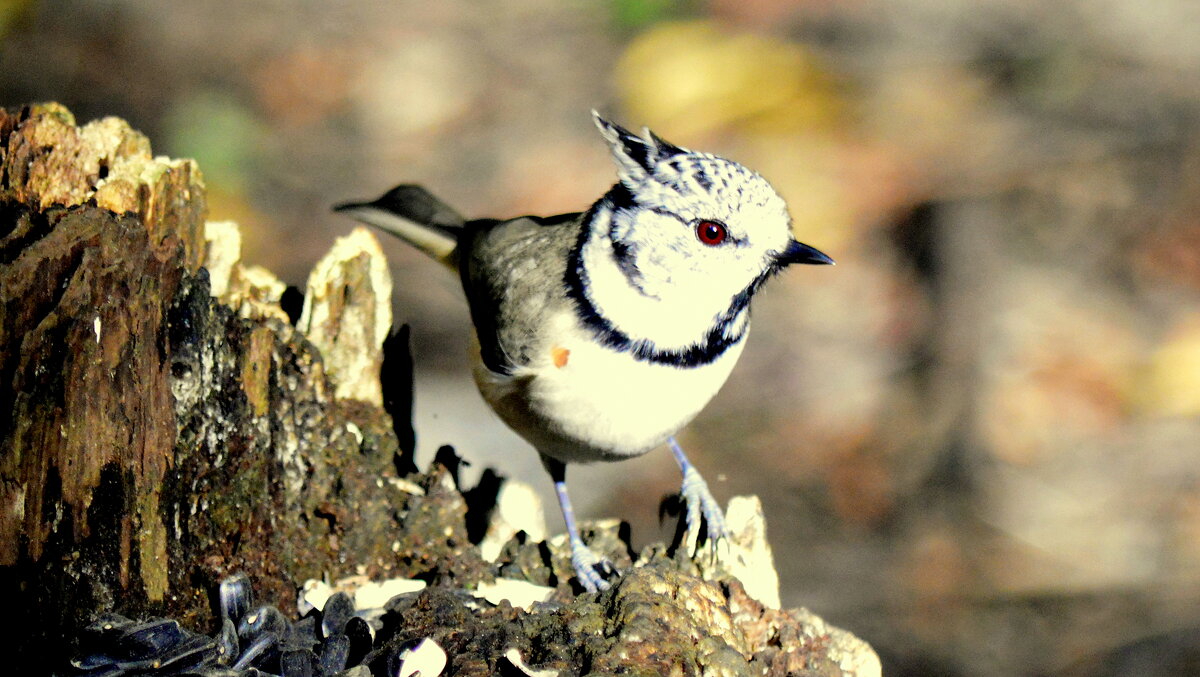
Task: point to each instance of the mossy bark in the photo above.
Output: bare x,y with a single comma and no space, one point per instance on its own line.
154,439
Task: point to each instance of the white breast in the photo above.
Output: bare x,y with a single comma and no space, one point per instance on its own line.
580,401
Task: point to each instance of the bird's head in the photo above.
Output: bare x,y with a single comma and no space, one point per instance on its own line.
691,222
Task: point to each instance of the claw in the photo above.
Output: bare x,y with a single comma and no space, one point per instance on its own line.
592,570
701,508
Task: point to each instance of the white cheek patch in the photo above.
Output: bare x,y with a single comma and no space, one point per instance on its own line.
648,251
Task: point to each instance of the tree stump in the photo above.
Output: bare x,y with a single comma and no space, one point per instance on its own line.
160,437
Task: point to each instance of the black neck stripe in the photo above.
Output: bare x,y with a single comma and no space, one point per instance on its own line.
712,345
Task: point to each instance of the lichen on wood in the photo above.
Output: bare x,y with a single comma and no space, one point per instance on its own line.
154,427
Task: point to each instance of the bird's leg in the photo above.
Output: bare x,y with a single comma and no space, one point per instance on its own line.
592,570
700,502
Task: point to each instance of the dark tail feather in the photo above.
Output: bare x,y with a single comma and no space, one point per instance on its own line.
413,214
417,204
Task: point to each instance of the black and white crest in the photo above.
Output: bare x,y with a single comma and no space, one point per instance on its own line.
663,172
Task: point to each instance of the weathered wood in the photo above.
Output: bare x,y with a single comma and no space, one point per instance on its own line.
159,438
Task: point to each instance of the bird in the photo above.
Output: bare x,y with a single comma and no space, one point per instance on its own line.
600,334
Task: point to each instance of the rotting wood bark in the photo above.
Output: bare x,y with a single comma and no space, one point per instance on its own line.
158,438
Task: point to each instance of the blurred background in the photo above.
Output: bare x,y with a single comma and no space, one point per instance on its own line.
977,438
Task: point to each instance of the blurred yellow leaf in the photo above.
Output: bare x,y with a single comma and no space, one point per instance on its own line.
695,76
1173,386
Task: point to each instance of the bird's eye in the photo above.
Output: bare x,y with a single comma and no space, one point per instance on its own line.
711,233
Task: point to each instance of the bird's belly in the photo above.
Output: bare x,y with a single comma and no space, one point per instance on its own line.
585,402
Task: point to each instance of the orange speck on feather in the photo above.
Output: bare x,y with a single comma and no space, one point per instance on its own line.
560,354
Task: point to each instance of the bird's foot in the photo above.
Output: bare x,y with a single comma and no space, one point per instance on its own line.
702,508
592,570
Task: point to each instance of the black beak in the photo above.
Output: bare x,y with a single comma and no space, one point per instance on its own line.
802,253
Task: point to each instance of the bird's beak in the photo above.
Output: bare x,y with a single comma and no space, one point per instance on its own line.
802,253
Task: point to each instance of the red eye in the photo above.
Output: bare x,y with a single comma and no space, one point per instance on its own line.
711,233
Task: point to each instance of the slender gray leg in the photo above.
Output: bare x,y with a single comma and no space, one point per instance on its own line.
591,569
699,501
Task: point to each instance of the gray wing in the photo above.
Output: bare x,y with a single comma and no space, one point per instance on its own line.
512,271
